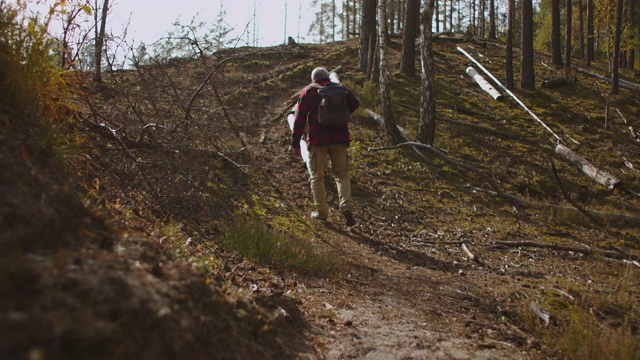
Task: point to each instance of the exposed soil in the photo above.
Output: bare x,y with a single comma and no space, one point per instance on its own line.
140,272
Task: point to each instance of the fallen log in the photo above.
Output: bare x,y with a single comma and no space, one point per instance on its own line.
513,96
540,313
554,83
473,169
468,252
622,83
604,253
601,176
564,193
471,255
635,135
303,143
484,84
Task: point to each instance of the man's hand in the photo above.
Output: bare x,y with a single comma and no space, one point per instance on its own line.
296,152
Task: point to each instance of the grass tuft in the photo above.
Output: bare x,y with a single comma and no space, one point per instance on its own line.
255,241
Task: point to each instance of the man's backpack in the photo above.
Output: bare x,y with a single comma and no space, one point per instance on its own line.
333,109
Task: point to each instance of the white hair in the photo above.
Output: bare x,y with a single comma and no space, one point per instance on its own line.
319,73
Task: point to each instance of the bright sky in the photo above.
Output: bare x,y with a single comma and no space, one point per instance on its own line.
150,20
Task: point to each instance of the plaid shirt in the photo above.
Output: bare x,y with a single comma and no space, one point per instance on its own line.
307,112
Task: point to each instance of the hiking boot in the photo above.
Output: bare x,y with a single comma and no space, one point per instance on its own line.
348,215
316,215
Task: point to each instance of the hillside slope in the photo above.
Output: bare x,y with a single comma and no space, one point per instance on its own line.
119,248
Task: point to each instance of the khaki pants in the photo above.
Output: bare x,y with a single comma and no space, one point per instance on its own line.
340,168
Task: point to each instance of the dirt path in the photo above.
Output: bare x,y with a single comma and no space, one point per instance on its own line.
391,301
386,309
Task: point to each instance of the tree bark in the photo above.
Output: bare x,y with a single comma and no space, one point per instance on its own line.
99,41
590,39
368,31
527,75
408,64
511,14
581,22
616,49
492,20
393,134
427,130
556,49
483,10
567,47
633,23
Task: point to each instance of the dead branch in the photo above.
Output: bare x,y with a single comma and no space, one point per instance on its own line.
540,312
601,176
457,243
475,126
473,169
564,193
604,253
111,133
187,111
622,116
226,115
466,251
380,122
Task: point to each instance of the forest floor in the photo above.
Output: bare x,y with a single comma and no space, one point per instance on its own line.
168,168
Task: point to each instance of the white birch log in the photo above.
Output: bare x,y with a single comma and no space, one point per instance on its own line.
513,96
303,143
601,176
333,76
468,252
484,84
540,312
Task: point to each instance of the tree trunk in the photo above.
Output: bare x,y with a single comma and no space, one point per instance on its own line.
581,16
483,10
408,65
616,49
444,16
437,15
590,39
393,134
567,47
427,130
527,75
633,24
511,15
556,49
354,16
333,20
492,20
368,31
99,41
451,15
391,13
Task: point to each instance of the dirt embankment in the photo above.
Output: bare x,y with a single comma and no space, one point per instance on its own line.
134,268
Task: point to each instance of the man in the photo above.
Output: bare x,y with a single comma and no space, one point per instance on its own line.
324,140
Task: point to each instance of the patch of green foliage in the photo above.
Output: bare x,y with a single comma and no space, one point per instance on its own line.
253,240
586,324
36,92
